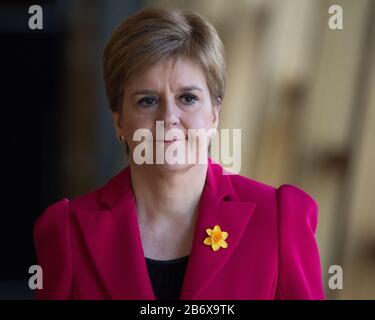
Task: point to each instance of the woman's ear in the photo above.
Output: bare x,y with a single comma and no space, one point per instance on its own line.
120,132
117,121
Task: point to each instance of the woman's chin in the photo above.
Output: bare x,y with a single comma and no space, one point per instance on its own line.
173,167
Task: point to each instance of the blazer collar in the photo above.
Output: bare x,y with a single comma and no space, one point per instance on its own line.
113,239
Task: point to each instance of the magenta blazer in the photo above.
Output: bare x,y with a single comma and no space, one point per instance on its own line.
90,247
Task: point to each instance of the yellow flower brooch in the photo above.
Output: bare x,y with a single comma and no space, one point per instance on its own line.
216,238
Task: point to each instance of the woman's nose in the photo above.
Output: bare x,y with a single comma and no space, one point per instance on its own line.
169,113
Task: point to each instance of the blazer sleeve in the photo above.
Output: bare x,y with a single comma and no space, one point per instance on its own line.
53,249
299,267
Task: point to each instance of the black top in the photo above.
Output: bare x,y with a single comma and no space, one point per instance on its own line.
167,277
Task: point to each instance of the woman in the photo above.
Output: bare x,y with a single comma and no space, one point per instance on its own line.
175,230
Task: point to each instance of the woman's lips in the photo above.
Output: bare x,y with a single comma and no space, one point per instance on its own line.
170,141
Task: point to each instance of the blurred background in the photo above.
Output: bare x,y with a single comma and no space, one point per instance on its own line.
303,95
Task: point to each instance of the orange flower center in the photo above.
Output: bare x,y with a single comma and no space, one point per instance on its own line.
216,236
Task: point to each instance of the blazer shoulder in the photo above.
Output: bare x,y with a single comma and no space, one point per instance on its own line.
296,205
60,210
54,215
300,275
88,200
292,192
53,211
252,190
286,194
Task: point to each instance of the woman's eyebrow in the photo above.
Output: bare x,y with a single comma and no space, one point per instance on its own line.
150,92
190,88
144,92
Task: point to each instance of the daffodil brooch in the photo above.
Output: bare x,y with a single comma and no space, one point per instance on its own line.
216,238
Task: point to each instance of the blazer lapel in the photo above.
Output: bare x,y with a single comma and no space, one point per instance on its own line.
113,240
112,236
232,216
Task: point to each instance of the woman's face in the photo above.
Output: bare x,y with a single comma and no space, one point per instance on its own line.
174,92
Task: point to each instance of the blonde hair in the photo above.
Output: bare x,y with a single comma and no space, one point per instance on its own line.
155,34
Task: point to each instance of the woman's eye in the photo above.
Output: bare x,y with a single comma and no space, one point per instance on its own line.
188,99
147,101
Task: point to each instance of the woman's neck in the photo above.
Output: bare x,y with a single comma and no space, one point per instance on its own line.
167,195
